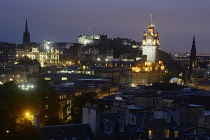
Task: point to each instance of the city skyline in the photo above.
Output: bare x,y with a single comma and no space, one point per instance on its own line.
63,21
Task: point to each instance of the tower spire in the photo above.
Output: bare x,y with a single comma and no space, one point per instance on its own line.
151,25
193,61
26,34
151,18
194,40
26,26
150,43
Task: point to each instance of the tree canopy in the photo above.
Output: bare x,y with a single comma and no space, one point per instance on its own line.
27,61
15,102
78,103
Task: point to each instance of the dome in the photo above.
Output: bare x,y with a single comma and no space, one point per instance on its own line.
151,24
176,80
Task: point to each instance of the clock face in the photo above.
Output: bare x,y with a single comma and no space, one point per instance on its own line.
149,41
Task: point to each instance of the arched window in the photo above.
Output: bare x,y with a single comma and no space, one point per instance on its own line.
132,119
167,117
150,134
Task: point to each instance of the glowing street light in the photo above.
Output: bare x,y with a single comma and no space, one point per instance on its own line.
27,114
29,117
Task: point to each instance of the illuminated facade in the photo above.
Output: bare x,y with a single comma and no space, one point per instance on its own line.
148,67
45,58
150,44
46,55
148,70
90,39
147,73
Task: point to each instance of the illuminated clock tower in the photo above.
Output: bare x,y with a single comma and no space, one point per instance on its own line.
150,44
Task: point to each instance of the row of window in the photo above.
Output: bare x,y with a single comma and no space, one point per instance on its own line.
167,133
109,128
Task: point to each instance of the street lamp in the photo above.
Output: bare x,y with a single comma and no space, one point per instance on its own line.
27,114
29,117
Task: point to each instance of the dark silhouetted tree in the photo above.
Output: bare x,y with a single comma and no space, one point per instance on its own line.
78,103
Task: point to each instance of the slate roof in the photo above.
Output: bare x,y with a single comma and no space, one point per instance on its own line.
66,132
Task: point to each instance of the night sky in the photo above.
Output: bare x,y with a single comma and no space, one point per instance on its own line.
63,20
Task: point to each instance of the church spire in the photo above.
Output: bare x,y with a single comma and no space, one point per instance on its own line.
26,34
194,40
193,49
26,26
193,62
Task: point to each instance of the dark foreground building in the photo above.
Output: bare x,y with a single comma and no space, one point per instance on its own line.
66,132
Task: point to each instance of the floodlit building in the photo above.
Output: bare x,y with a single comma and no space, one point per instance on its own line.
149,69
150,43
91,39
47,56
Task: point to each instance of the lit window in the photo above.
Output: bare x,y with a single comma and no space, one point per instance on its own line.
167,133
46,106
150,134
176,133
136,69
132,119
47,78
64,78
